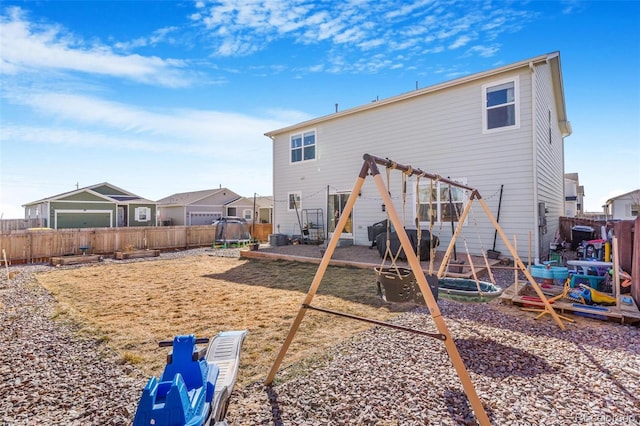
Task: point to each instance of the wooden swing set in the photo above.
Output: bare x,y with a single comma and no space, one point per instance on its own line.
370,167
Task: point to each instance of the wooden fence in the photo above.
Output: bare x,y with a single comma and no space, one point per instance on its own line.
8,225
567,224
29,246
261,231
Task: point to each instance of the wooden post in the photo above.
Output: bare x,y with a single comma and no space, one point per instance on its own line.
529,259
522,267
616,272
515,267
454,237
333,243
6,264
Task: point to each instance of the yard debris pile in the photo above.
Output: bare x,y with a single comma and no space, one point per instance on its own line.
525,371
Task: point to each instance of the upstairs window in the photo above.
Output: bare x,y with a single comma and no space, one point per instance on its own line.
303,146
500,105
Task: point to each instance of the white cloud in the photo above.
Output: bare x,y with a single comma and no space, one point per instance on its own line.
460,42
158,36
127,127
27,47
245,27
484,51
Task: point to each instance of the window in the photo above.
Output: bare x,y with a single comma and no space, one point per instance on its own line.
246,213
142,214
294,201
303,146
447,202
500,105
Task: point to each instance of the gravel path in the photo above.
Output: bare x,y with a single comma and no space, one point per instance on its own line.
526,372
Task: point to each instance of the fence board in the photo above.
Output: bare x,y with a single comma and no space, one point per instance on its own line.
261,231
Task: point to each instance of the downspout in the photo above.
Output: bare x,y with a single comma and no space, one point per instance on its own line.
274,229
536,234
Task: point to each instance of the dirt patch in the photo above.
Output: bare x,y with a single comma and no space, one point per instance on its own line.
134,305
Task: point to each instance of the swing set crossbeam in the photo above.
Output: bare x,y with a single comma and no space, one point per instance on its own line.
411,171
438,336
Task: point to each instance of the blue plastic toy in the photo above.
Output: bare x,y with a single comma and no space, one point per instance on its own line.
196,383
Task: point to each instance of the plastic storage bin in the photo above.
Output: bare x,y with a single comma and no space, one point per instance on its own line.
277,240
580,233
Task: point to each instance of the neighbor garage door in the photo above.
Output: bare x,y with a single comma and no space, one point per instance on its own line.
83,220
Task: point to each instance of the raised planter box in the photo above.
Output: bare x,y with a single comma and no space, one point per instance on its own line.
74,260
135,254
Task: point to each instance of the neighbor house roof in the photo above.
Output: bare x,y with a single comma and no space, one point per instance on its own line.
261,201
119,195
552,58
625,195
186,198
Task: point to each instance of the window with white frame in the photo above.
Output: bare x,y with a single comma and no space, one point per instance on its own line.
142,214
445,204
246,214
500,105
293,201
303,146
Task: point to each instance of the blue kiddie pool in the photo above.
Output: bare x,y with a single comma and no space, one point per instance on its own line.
548,272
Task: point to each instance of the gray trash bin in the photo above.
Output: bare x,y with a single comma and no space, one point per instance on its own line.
580,233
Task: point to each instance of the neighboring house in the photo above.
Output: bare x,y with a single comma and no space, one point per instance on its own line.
625,206
243,207
573,195
98,206
505,126
195,208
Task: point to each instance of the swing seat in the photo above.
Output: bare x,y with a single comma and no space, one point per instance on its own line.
394,243
466,290
399,285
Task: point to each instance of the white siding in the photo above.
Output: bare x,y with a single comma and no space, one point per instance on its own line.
440,132
549,158
625,207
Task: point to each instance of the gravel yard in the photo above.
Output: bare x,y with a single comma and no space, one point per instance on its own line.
526,372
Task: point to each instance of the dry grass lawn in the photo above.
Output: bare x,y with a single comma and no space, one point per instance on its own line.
131,306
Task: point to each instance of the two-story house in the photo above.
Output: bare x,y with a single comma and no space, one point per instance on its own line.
502,127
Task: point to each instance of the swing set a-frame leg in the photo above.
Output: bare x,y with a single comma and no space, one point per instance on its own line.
322,268
456,359
432,305
518,262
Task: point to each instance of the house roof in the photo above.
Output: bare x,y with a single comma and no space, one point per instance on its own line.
261,202
186,198
625,195
119,195
552,58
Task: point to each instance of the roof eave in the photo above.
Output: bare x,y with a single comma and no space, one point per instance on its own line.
434,88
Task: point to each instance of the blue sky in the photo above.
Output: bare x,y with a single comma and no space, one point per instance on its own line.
159,97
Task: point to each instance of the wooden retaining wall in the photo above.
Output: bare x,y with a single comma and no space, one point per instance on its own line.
29,246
